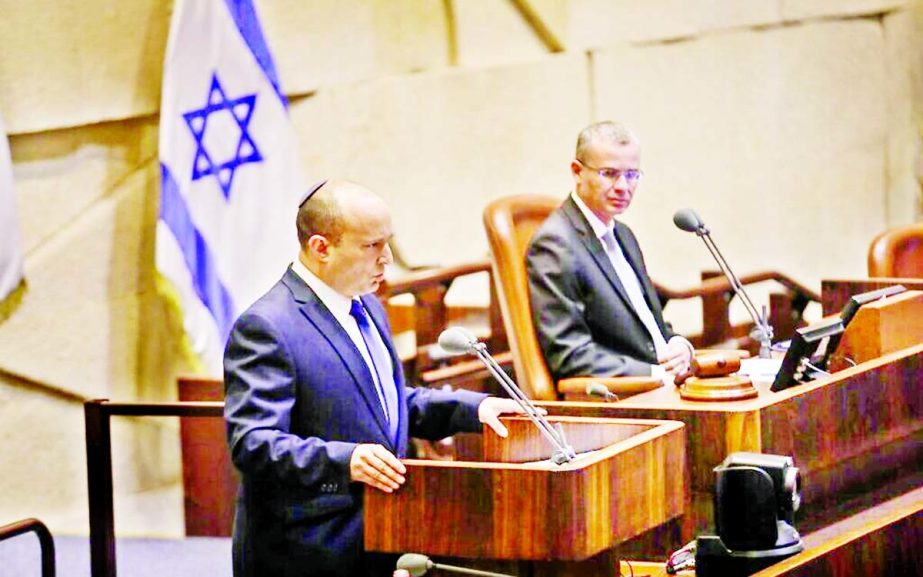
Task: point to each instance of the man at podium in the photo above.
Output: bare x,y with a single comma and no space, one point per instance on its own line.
595,309
316,406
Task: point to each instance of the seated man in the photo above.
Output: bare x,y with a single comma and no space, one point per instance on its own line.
316,407
595,309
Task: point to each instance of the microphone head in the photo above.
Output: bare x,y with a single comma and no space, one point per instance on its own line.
686,219
599,390
457,340
414,563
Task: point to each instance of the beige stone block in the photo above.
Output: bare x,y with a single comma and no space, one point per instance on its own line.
600,23
87,349
554,15
492,32
802,9
440,146
777,138
44,463
78,328
61,174
903,31
67,63
330,42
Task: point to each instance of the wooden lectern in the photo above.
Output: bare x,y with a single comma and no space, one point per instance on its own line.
516,507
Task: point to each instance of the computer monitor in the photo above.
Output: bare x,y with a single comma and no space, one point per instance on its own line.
813,345
809,347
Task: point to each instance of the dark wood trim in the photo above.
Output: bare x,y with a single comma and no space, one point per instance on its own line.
45,540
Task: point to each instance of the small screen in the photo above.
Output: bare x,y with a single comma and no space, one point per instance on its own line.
808,349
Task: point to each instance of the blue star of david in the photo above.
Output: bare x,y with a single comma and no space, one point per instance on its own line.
241,110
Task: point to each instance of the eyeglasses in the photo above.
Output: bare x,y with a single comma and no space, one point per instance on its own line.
632,175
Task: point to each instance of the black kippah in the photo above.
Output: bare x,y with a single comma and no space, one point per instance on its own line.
314,188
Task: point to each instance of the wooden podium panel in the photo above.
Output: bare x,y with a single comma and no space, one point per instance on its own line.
501,508
851,432
881,327
209,479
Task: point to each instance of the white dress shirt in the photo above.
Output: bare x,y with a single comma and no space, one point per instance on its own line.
339,306
628,278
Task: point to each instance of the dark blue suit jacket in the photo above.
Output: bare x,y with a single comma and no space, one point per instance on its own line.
298,398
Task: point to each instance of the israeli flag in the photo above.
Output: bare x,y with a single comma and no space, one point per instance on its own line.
11,259
230,178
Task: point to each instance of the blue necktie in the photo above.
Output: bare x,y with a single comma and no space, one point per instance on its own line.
384,379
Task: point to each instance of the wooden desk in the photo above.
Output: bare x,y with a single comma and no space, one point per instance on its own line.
882,541
881,327
849,433
885,540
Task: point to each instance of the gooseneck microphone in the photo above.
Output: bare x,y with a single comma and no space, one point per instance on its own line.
686,219
418,565
459,341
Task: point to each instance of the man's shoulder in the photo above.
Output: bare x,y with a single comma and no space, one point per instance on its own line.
274,304
558,224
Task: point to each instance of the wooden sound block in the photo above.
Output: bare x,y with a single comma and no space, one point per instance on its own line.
727,388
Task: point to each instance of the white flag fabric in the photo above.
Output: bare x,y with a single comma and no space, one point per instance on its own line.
229,170
11,259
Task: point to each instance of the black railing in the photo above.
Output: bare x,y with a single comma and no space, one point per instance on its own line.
99,466
44,540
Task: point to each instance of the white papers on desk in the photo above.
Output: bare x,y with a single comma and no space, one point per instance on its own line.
760,369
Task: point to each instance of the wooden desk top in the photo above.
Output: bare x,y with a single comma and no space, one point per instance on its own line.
668,399
501,508
883,540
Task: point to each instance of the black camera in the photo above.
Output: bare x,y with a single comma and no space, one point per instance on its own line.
756,497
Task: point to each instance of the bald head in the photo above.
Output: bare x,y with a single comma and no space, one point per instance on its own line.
344,229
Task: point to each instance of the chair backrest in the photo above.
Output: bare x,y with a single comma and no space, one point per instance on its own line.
510,223
897,252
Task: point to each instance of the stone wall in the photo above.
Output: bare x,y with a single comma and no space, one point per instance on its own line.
792,126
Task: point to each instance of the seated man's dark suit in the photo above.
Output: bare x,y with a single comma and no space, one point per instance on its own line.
299,397
585,323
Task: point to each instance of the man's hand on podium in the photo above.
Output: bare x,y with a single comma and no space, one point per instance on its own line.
377,467
491,408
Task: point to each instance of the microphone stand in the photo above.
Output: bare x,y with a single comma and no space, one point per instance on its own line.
762,329
417,564
563,452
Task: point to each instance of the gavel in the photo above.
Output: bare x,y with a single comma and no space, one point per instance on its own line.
709,365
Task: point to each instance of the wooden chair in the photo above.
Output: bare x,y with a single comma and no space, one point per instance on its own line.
897,252
428,316
510,223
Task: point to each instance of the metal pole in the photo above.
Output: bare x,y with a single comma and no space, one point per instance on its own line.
99,488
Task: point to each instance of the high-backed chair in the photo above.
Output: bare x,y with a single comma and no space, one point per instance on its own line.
510,223
897,252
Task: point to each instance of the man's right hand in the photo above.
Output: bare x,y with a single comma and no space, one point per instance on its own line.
377,467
